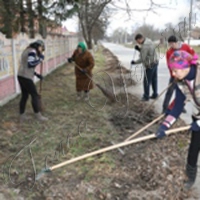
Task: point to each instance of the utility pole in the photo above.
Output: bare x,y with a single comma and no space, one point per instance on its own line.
125,37
190,21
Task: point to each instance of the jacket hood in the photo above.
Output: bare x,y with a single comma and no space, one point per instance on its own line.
147,41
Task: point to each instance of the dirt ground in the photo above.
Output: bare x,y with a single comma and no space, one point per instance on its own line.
149,170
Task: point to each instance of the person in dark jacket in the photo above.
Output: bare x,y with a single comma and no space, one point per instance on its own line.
187,89
149,59
30,58
84,63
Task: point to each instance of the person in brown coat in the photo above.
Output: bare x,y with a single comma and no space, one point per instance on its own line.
84,64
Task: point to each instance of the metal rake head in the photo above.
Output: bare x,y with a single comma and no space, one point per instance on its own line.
42,173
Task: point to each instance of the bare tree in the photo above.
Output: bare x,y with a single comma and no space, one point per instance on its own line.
22,16
149,31
30,18
42,28
180,30
88,13
100,26
118,35
128,9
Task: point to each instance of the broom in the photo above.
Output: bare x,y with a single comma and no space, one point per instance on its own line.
109,148
40,104
106,93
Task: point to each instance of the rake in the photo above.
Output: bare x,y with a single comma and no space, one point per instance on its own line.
145,127
150,105
106,93
109,148
40,103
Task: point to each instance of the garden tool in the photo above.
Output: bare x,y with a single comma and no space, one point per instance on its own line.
109,148
145,127
40,103
106,93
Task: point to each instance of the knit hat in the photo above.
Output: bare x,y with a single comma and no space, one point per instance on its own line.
180,60
40,43
172,38
82,46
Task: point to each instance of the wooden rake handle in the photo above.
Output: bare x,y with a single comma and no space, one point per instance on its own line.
41,71
85,73
87,76
145,127
109,148
150,105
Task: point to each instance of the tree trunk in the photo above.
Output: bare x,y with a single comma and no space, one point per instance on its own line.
30,19
42,25
88,14
89,41
22,17
8,20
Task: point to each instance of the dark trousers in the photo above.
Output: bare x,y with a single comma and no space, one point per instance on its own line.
194,149
28,87
168,94
151,78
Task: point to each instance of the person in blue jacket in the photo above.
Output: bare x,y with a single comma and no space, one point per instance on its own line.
187,88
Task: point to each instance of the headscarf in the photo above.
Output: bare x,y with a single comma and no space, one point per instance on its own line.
180,60
82,46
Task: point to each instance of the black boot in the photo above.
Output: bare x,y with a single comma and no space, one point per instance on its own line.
191,173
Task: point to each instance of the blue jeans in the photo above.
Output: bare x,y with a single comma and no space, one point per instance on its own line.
151,78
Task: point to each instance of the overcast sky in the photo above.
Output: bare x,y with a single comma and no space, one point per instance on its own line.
179,8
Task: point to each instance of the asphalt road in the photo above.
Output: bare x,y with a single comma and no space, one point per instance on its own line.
125,55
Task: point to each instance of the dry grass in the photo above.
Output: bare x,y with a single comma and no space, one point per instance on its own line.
75,128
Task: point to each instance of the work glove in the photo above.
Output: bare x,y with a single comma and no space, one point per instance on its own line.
195,125
84,71
166,111
161,131
38,75
41,57
70,60
137,48
132,62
